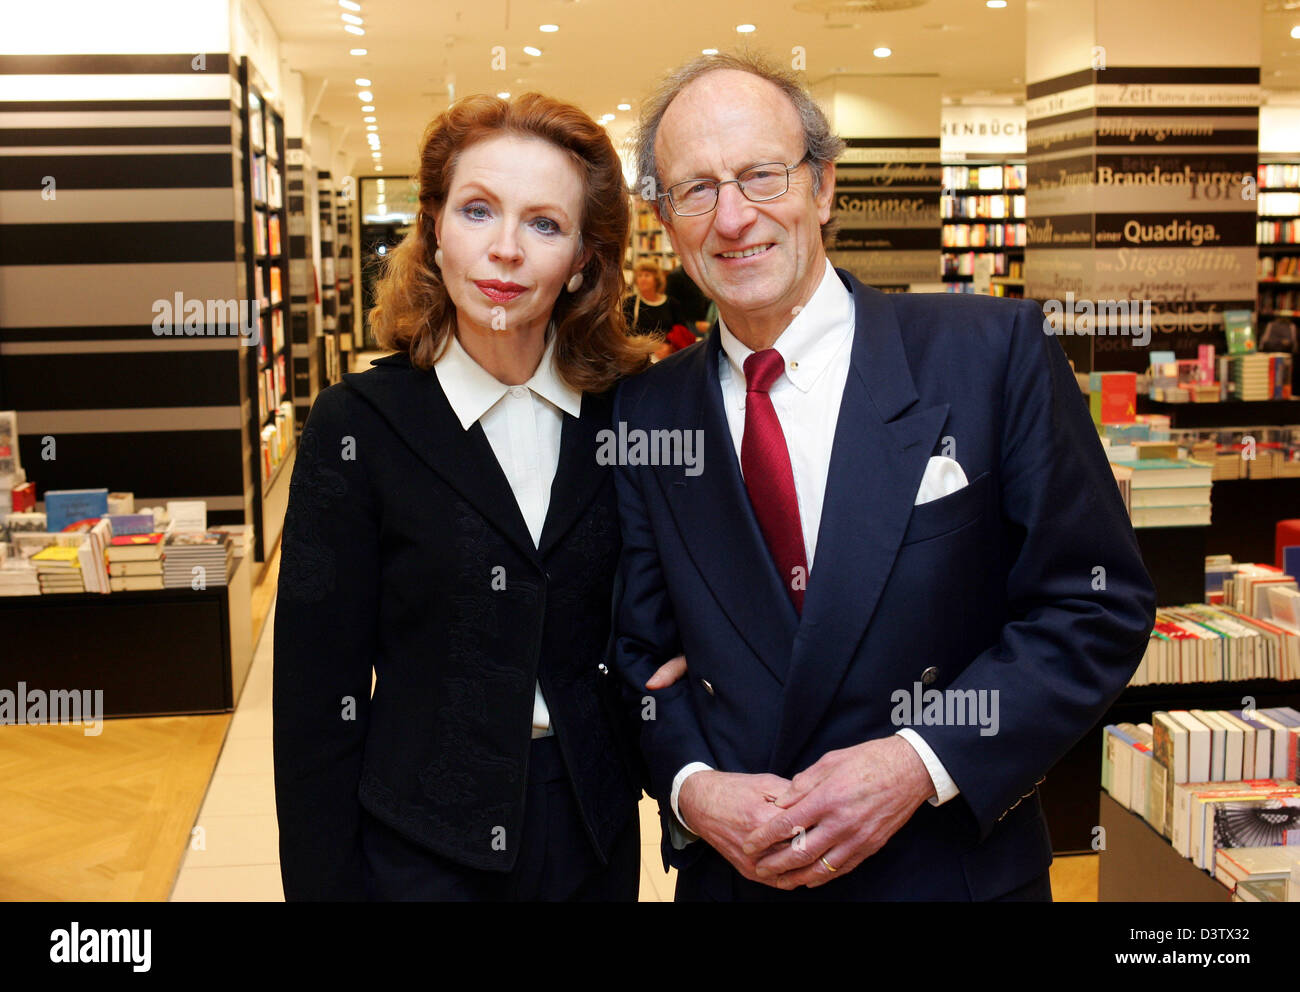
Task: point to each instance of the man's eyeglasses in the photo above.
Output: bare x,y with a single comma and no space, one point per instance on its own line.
761,182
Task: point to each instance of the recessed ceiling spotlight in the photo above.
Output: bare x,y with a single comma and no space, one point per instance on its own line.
368,120
532,50
366,95
708,51
362,82
1295,31
349,5
745,28
375,155
368,108
548,28
625,106
379,168
353,29
357,51
503,95
995,4
351,19
882,52
372,127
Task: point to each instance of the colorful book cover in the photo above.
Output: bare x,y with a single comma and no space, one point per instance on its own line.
68,506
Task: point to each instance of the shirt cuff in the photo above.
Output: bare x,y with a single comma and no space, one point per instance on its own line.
678,780
944,787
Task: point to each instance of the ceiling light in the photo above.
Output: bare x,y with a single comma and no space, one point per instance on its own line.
745,28
882,52
362,82
349,5
708,51
548,28
375,155
367,108
351,19
372,127
625,106
379,168
354,29
532,50
995,4
357,51
368,120
1295,31
366,95
504,95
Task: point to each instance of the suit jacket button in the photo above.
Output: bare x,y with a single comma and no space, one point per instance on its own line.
929,675
707,687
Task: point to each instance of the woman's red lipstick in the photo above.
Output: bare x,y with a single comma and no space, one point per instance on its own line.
498,291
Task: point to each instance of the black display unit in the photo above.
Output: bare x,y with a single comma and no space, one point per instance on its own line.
268,367
153,653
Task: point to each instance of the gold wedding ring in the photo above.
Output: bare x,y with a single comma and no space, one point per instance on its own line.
829,866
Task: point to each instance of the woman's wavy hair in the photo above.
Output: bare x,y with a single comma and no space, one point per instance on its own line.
413,312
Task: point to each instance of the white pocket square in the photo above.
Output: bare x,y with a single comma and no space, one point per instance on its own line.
943,476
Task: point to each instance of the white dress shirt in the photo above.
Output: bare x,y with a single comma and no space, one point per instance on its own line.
523,424
817,346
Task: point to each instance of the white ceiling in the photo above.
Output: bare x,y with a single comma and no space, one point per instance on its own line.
611,51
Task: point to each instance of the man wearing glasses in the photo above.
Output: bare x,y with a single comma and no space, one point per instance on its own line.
904,582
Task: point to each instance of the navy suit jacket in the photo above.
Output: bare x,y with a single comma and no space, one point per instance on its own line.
1027,582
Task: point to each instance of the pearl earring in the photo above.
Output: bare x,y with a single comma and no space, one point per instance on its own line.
437,258
575,283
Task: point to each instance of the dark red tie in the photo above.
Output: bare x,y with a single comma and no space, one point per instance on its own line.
765,462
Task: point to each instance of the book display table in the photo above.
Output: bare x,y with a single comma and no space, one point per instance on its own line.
1138,865
153,653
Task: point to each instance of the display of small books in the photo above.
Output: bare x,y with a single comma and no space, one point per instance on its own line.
184,552
18,578
58,570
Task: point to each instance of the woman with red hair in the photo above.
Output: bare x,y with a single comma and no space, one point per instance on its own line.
450,526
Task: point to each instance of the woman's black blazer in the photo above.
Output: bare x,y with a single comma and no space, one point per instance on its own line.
404,549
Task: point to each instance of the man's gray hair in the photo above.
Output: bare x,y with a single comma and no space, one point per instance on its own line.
820,145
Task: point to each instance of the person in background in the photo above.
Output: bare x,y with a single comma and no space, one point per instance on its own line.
650,310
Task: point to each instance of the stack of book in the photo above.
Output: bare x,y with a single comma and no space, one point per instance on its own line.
1250,377
1234,865
58,570
1209,780
135,562
196,561
18,578
1202,642
238,534
1168,492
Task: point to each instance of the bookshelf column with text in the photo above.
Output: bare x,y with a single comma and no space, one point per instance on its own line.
1142,154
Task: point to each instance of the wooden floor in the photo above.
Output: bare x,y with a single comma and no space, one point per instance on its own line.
107,817
114,817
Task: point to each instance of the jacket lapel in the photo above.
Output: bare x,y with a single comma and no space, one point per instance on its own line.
414,405
881,448
718,526
578,476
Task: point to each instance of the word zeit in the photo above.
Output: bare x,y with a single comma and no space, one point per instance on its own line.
36,706
77,946
949,708
179,317
652,447
1101,317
